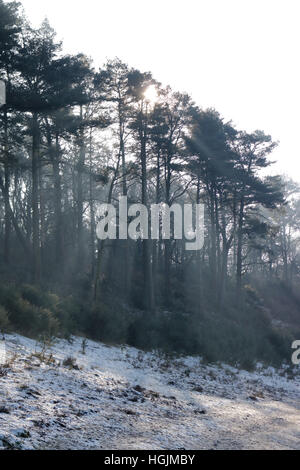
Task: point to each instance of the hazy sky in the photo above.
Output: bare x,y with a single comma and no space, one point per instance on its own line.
239,56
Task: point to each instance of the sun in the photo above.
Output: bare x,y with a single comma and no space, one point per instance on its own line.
151,94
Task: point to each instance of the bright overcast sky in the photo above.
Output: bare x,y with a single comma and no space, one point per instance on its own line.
238,56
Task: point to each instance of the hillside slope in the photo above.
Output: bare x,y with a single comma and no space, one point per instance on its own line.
120,398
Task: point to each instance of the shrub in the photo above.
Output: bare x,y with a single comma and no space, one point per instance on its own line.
71,363
4,320
26,313
239,334
108,323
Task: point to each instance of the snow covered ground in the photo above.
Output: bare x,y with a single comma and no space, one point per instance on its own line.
123,399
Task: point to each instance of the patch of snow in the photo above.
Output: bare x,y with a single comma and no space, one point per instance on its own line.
116,398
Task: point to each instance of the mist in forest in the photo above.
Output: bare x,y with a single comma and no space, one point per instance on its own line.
74,138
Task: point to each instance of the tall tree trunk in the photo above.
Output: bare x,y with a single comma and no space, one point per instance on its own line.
224,274
6,194
218,245
80,169
147,268
42,215
59,237
124,243
213,244
239,267
92,213
199,258
25,244
156,244
167,243
36,262
285,254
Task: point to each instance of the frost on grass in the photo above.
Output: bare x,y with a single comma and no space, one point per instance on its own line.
67,396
